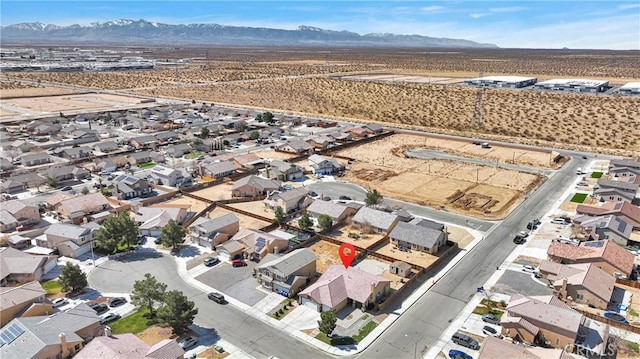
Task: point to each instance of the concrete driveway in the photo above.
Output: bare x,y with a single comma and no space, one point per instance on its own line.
235,282
302,318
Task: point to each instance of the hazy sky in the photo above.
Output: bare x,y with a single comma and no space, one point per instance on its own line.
524,24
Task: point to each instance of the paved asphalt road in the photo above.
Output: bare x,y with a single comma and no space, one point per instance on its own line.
258,339
422,325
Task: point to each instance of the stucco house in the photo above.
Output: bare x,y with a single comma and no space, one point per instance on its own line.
20,267
211,232
324,165
127,187
35,159
146,141
75,208
64,173
583,283
15,213
290,200
493,347
609,227
336,211
151,220
166,176
624,167
609,190
282,171
253,186
421,235
288,274
339,287
129,346
26,300
217,169
251,244
296,146
400,268
625,210
606,255
60,335
70,240
373,220
548,320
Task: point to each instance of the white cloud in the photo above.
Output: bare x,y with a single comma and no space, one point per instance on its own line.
432,9
496,10
628,6
477,15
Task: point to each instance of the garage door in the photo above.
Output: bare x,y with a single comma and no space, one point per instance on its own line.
280,290
49,266
309,303
83,249
155,233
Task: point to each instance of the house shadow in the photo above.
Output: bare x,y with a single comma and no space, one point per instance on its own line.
206,336
88,294
187,251
138,254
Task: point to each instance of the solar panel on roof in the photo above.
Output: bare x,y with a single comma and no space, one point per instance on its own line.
594,244
10,333
260,243
618,205
622,225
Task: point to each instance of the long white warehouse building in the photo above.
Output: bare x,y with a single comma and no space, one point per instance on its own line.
573,85
502,81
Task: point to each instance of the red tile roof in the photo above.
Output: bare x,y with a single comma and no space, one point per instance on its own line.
591,251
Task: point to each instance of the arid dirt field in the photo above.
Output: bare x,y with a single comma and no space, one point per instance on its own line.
245,221
421,259
327,254
306,81
482,191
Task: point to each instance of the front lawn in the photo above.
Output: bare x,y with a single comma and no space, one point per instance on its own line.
146,165
364,331
52,287
596,174
323,338
481,309
135,323
286,308
579,197
193,155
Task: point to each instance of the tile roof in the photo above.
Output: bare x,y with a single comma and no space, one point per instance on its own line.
493,347
220,167
11,296
14,206
291,194
588,275
291,262
245,159
84,202
119,346
13,261
338,283
604,250
611,222
546,312
165,349
260,183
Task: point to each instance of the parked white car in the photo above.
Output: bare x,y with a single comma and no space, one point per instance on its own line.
59,302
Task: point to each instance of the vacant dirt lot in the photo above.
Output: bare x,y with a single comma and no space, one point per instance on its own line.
216,193
327,254
196,206
477,190
365,240
460,236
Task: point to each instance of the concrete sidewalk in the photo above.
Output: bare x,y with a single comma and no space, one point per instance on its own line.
337,351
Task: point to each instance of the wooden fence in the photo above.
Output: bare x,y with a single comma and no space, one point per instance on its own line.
613,323
628,283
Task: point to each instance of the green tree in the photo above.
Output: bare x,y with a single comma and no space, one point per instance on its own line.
204,133
372,198
52,182
279,216
305,222
117,230
147,292
259,117
72,279
254,135
327,322
85,190
172,234
268,117
325,222
177,312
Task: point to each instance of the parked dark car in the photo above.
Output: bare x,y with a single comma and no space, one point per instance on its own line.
217,297
99,308
157,240
211,261
142,240
116,301
459,354
465,341
67,188
345,198
238,263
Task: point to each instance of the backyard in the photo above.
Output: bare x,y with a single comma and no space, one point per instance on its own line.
579,197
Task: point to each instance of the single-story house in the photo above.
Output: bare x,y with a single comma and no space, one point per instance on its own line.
336,211
20,267
129,346
35,159
76,207
106,147
493,347
146,141
296,146
253,186
137,158
26,300
217,169
373,220
339,286
282,171
408,236
288,274
178,150
66,173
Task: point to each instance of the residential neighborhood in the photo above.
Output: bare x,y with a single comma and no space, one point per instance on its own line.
252,219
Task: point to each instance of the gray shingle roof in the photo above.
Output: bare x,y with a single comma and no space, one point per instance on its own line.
418,235
617,184
375,218
66,230
333,210
258,182
218,222
290,263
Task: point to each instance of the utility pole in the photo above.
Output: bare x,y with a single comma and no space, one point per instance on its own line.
476,118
